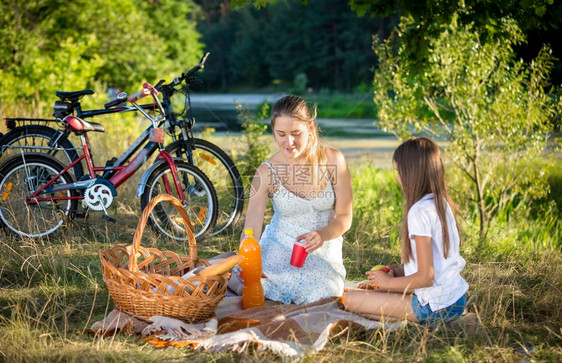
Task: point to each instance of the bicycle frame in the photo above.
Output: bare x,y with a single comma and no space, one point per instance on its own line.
118,173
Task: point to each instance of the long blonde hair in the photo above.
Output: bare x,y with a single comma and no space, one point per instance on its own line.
315,150
419,165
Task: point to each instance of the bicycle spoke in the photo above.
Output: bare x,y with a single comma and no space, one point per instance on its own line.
223,174
39,218
40,139
200,201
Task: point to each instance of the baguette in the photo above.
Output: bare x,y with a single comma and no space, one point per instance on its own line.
220,267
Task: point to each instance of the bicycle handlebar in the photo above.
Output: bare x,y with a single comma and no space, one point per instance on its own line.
154,90
121,97
147,89
150,88
169,87
138,95
195,69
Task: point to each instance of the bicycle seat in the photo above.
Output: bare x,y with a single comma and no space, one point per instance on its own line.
73,94
79,126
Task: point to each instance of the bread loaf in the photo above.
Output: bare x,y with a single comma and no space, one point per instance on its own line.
220,267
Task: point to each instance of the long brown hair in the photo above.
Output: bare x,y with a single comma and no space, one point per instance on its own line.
315,150
419,165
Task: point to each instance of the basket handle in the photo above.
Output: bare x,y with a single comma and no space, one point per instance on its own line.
142,223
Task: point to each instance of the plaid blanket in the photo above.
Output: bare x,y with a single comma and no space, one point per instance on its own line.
291,331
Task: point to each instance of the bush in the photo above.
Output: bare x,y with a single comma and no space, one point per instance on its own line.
256,148
493,110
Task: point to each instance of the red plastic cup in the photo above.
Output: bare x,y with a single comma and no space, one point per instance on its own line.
299,255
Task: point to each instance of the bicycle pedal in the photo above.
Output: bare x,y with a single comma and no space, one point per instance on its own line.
109,219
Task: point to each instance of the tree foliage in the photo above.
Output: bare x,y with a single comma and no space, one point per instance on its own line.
541,19
495,111
482,13
49,45
254,127
323,40
426,18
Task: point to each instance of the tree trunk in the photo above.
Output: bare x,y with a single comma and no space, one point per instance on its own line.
479,193
337,66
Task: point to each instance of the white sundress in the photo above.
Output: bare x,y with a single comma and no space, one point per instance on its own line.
323,273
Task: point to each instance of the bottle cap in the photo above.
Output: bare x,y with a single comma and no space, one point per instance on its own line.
249,231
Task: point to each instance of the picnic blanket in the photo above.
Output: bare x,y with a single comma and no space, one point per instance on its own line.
290,331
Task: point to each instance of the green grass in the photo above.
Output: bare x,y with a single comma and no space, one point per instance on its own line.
346,106
555,184
52,290
355,105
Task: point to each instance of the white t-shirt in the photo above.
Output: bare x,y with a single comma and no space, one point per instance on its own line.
448,285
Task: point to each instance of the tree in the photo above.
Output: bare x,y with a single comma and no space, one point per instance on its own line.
494,111
176,45
324,41
32,64
540,18
49,45
246,59
540,14
426,18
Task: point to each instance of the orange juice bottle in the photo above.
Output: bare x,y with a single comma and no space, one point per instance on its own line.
252,294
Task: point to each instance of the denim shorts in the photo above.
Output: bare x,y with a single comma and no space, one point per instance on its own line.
425,315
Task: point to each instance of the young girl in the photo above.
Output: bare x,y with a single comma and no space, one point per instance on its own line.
309,186
430,286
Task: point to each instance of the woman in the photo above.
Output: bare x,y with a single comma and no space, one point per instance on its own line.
309,186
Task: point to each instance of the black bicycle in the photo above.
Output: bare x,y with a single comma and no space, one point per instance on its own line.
29,135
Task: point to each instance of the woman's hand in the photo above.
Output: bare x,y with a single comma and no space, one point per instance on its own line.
312,241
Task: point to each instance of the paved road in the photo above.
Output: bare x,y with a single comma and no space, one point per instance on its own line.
229,100
376,149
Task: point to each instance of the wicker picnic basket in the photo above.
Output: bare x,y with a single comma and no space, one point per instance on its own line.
146,281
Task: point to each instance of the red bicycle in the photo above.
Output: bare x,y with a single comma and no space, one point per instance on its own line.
38,194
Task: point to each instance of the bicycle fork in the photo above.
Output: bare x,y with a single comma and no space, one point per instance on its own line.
174,171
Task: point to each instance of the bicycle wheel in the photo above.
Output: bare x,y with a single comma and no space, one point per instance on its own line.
224,176
201,201
19,177
46,139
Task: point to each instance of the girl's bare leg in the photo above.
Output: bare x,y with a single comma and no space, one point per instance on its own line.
383,304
